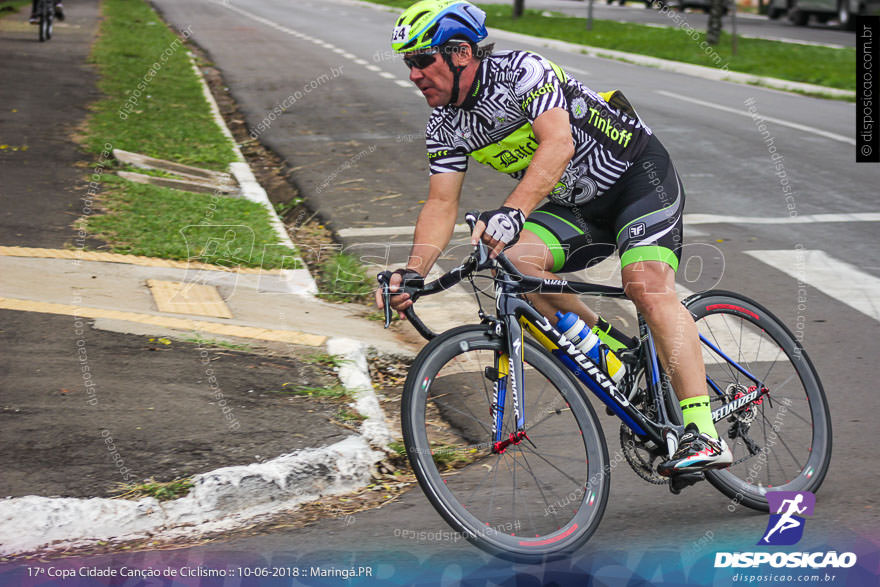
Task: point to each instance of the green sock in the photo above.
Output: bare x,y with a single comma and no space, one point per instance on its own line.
696,411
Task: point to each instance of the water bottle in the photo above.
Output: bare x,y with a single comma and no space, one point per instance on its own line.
588,343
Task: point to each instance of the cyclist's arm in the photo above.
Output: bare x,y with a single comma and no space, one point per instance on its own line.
433,231
436,221
555,149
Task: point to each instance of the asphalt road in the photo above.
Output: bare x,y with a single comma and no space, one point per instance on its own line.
355,142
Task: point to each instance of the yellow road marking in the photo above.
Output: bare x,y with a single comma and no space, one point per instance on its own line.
201,326
77,254
188,298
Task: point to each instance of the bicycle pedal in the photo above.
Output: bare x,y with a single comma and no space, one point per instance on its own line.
679,482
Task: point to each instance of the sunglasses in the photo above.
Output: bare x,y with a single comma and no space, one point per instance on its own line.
419,60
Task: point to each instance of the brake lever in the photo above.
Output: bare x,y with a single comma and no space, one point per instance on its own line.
483,259
386,297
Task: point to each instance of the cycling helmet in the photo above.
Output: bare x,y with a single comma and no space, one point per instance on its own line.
431,23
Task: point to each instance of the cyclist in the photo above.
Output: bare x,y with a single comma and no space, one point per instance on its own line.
35,18
608,181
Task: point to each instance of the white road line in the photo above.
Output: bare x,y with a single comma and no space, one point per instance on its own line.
300,35
390,230
404,84
743,112
360,61
803,219
689,219
575,70
837,279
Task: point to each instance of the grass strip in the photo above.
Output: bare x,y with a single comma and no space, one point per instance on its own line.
154,103
148,220
12,6
810,64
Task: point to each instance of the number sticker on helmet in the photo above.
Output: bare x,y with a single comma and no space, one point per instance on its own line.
401,33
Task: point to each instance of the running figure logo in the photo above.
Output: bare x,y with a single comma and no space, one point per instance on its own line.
786,526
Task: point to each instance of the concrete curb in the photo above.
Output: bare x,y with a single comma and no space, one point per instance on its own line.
219,500
355,376
298,281
709,73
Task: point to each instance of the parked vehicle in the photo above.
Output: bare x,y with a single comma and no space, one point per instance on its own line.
843,11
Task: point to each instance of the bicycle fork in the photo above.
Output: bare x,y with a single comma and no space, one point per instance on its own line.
507,375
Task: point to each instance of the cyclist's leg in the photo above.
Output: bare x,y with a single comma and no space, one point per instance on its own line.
649,238
557,239
533,257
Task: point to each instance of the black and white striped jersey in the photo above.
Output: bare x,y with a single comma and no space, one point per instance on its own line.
493,125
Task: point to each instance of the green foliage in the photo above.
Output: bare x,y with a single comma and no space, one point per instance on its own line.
342,278
326,360
348,417
332,392
161,491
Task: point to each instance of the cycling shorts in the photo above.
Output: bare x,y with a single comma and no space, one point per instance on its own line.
640,216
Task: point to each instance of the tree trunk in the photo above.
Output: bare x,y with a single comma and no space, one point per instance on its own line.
713,30
518,7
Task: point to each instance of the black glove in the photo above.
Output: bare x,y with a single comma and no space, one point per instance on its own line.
504,224
410,278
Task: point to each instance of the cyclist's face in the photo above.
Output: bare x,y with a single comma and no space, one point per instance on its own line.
434,81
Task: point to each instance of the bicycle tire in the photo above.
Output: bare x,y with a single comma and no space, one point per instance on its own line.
45,26
560,508
744,330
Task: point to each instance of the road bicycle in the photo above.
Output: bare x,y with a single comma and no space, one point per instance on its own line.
46,14
508,449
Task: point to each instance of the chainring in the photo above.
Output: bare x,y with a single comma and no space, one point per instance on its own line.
640,457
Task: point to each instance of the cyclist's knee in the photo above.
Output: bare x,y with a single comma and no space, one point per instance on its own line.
530,254
650,285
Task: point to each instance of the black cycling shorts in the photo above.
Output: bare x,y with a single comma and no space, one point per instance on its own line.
641,216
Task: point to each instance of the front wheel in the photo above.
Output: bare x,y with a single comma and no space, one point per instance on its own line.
46,14
544,494
783,441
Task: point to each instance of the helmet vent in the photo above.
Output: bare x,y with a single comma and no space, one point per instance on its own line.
429,34
460,20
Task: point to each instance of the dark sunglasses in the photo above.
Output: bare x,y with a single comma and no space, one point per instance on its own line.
419,60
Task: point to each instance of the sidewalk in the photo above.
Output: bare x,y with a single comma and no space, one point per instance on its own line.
119,368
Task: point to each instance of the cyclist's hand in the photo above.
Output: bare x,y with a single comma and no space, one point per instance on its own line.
401,301
498,228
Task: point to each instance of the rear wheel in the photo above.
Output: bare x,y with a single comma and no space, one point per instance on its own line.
545,494
783,441
798,17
